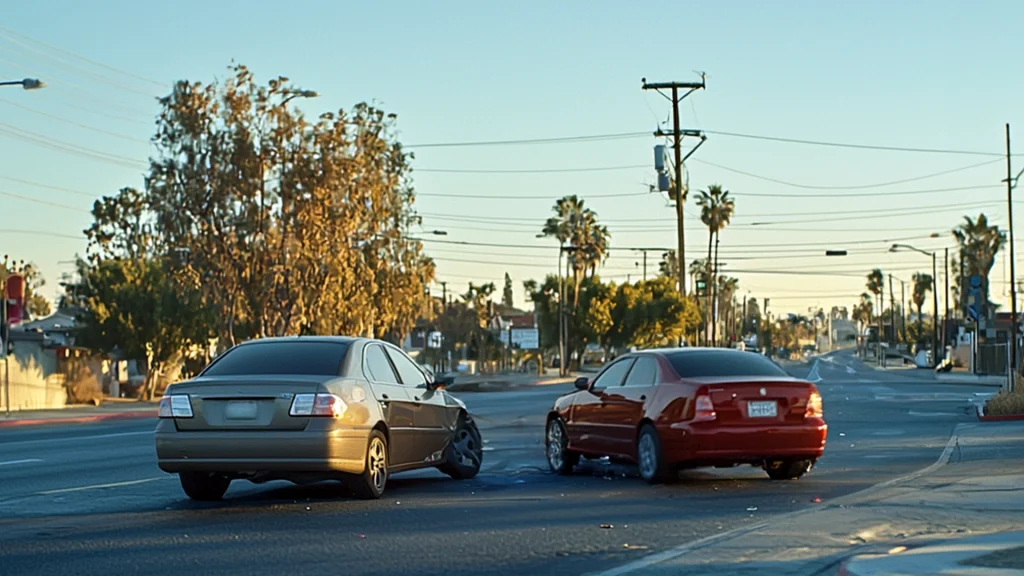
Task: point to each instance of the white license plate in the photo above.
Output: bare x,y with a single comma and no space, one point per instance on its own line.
240,411
762,409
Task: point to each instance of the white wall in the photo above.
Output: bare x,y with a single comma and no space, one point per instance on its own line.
34,383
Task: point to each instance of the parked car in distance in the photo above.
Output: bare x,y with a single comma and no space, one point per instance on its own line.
308,409
677,408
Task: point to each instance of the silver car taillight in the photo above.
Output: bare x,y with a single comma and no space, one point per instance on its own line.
327,405
175,406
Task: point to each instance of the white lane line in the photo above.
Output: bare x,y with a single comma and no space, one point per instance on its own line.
75,438
813,375
25,461
99,486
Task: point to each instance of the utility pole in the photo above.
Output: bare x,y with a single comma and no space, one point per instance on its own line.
892,312
935,310
1010,182
645,265
945,318
903,309
677,139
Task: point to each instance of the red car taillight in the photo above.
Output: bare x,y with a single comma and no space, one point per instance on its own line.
814,407
317,405
703,409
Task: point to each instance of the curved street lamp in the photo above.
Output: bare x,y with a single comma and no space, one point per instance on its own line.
27,83
935,296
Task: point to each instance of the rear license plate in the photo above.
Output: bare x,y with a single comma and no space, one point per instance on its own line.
762,409
240,411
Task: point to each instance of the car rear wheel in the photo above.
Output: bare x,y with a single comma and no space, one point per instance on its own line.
204,486
787,469
650,457
556,442
465,452
370,484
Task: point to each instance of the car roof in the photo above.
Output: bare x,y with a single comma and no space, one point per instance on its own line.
334,339
684,350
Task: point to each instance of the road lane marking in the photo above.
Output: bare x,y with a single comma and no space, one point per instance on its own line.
76,438
25,461
99,486
813,375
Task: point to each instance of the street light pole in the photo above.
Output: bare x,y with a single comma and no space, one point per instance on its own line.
935,296
26,83
1010,182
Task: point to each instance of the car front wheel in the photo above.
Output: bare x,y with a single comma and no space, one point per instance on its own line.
556,441
370,484
465,452
204,486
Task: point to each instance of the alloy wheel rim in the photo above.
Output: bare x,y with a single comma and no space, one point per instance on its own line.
466,448
647,462
378,464
555,439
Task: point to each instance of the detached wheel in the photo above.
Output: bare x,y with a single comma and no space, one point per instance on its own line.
787,469
556,441
465,452
204,486
650,457
370,484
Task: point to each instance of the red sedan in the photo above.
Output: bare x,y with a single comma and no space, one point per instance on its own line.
678,408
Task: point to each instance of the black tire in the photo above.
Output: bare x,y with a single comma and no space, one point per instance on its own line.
204,486
650,457
371,483
560,458
465,452
787,469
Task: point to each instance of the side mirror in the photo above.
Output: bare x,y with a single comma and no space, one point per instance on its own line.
582,383
441,382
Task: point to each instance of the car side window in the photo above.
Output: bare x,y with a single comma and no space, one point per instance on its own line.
377,367
408,371
613,375
643,373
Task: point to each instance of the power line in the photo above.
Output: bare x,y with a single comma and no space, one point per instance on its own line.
554,140
554,248
124,161
855,146
859,187
85,74
44,202
531,171
520,197
74,123
47,186
40,233
868,194
10,32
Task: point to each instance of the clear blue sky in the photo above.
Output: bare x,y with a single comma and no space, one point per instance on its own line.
935,74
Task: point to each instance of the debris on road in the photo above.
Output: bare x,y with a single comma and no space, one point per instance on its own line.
607,526
752,509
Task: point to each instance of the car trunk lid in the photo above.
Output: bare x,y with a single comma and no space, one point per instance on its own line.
244,402
757,401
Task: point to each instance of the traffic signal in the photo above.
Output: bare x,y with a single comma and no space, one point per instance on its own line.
702,288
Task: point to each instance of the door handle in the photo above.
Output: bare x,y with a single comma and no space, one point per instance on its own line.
384,397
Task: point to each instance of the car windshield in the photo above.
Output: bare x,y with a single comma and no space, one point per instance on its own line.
719,363
297,358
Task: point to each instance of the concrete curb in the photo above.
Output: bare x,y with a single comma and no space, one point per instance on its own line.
971,379
1003,418
79,419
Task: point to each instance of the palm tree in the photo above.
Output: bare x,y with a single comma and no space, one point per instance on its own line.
979,243
862,311
716,209
669,265
576,225
727,287
876,285
923,284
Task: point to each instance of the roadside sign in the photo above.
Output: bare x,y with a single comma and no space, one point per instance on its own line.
972,311
522,338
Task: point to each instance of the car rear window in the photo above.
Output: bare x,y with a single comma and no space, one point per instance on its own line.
723,363
297,358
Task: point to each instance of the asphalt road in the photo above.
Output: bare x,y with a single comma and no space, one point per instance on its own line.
89,500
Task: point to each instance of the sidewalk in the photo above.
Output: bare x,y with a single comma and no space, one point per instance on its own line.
974,489
111,409
505,381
